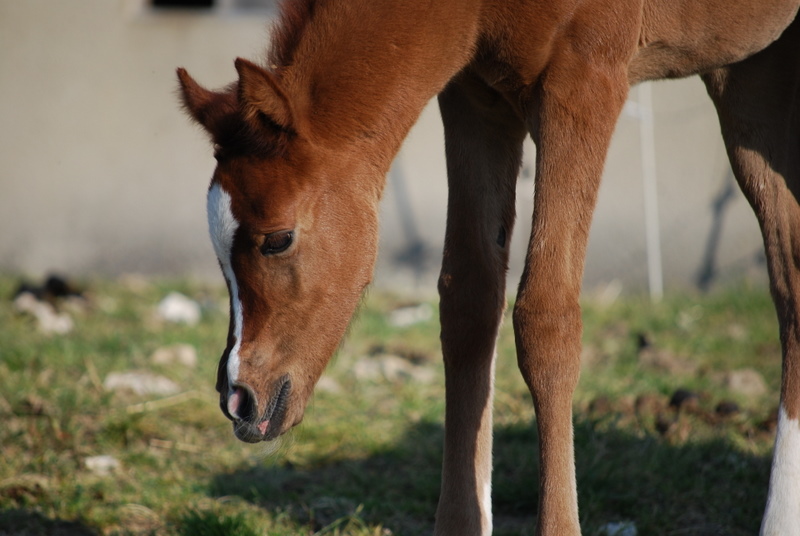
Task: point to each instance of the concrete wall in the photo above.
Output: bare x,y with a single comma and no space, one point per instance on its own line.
102,171
103,174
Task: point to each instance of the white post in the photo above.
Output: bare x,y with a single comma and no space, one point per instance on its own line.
647,147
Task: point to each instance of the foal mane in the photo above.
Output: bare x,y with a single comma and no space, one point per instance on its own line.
295,15
233,133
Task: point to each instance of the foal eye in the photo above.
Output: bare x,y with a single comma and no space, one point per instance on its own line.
277,242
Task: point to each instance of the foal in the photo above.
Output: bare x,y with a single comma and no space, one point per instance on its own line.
303,144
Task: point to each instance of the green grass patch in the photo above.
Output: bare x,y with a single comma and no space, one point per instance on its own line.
366,460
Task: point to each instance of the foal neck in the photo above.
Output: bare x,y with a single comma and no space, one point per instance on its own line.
362,71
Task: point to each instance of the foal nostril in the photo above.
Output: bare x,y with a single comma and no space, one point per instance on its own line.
241,404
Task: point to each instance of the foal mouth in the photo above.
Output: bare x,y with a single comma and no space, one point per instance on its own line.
269,425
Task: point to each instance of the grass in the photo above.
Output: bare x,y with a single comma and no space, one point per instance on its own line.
366,459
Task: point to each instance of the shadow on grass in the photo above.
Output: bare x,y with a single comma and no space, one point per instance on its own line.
693,489
29,523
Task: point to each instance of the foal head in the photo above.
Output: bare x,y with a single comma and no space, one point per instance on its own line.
293,222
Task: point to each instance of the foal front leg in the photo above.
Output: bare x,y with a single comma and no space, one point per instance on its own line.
574,117
484,150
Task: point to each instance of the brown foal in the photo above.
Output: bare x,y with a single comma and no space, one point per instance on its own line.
303,144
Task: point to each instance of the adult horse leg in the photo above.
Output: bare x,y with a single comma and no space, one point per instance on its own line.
757,103
483,141
572,122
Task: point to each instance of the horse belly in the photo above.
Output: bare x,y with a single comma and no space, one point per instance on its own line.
686,37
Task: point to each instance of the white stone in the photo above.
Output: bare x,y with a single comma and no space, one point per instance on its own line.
102,465
48,320
141,383
392,368
746,381
326,384
619,528
408,316
176,307
180,354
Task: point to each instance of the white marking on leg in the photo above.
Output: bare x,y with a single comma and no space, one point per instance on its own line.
782,515
222,227
486,501
486,496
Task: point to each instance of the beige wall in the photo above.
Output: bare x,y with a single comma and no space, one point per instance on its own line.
103,174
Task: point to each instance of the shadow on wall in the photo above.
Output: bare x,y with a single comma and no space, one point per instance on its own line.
708,272
414,255
420,258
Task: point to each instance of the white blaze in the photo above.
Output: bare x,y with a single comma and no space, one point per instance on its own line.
782,516
222,226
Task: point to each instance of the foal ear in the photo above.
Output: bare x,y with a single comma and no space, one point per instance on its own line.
261,93
203,105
